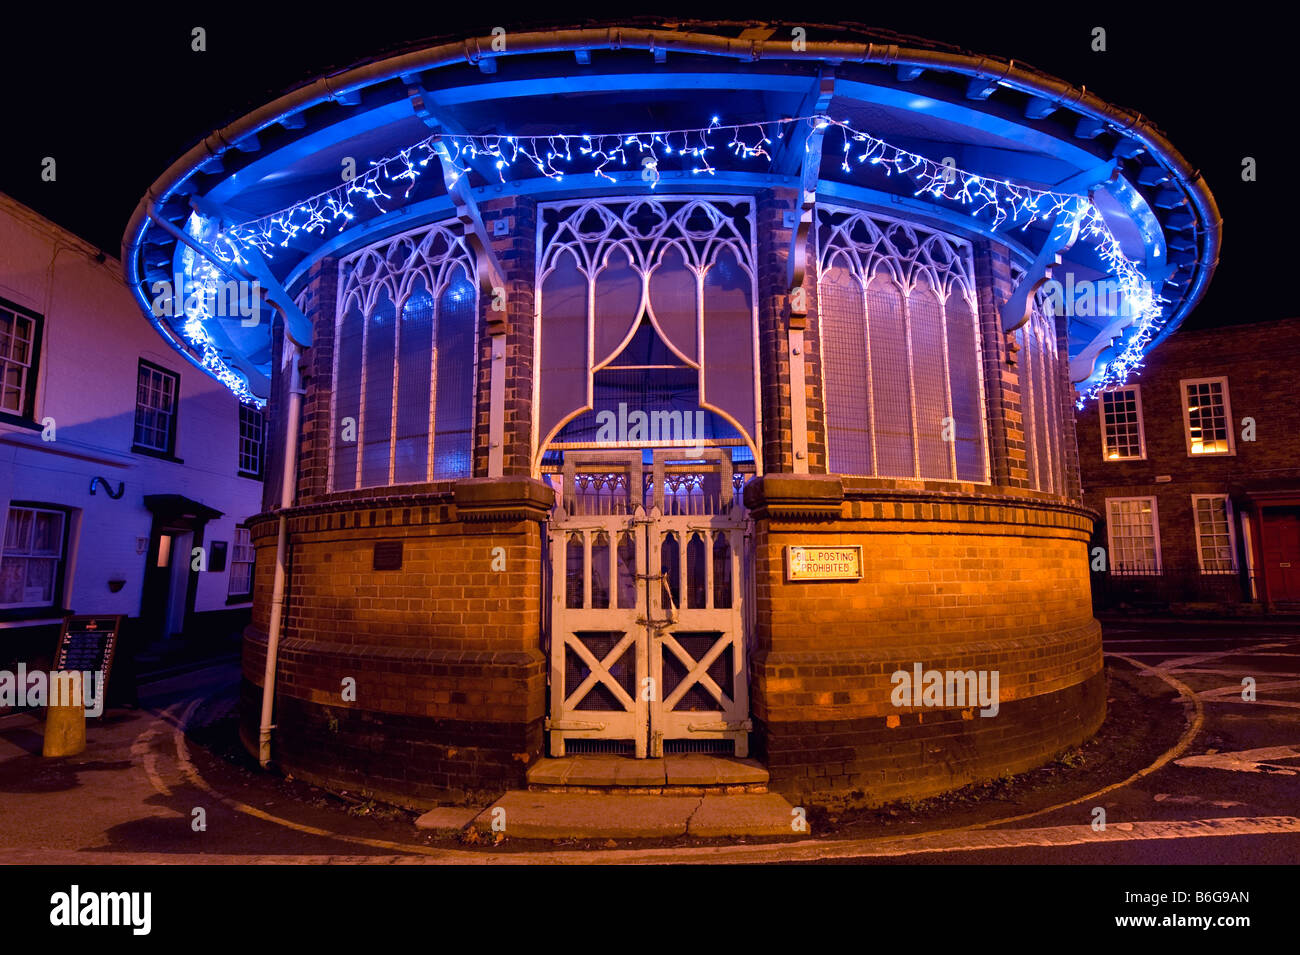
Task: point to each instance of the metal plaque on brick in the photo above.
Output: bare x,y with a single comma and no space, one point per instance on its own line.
388,555
842,562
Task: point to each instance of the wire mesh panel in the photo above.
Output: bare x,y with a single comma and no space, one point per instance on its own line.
891,379
842,311
908,401
934,425
404,360
966,390
1040,399
634,291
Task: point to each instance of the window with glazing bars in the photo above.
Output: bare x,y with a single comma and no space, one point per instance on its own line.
31,558
19,339
1134,532
155,408
252,440
1206,415
900,350
242,557
1215,541
1122,437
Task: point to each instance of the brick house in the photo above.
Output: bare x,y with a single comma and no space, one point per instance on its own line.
669,443
1193,471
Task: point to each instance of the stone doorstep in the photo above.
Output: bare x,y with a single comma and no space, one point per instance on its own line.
446,820
693,771
565,815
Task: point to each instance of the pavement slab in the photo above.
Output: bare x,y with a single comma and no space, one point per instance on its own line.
693,770
743,814
447,819
561,815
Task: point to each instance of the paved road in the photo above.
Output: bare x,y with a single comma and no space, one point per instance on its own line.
1233,796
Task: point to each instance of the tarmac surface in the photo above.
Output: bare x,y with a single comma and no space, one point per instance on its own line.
167,784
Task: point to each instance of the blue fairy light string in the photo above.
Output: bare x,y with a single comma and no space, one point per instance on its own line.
388,182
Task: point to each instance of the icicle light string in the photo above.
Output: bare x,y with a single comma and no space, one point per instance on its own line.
556,155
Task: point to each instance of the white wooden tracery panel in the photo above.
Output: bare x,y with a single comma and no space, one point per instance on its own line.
424,284
685,263
902,362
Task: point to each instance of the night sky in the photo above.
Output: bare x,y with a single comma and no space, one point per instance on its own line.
116,95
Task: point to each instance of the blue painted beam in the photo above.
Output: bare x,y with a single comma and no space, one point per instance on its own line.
1039,108
1089,128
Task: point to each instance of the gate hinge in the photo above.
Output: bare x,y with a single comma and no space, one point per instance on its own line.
562,725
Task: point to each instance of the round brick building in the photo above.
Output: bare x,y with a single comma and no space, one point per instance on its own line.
648,390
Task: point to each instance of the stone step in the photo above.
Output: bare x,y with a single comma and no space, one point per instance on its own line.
567,815
691,774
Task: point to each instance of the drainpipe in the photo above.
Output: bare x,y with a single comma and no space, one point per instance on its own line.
289,476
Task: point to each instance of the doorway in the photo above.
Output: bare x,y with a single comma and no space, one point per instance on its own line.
648,606
1279,545
170,583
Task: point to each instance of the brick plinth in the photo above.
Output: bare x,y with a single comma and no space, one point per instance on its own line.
443,652
951,581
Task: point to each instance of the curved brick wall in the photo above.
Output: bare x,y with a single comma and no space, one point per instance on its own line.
954,582
445,652
449,656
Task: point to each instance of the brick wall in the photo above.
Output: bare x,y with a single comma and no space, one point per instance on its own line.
317,367
1256,359
517,253
953,582
773,243
445,652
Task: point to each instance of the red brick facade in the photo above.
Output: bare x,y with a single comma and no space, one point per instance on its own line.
1261,477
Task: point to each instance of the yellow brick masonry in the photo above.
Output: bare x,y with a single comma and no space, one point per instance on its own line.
1000,587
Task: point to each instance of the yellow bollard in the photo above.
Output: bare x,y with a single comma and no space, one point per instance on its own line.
65,716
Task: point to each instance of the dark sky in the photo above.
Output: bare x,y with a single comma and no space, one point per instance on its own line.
116,94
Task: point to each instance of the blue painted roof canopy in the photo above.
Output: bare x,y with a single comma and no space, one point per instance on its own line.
992,118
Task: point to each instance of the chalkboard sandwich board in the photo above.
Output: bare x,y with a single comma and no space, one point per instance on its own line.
87,644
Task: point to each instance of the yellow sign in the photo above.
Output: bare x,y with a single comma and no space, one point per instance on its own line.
823,563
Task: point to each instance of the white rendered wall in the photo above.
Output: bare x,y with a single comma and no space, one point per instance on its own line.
94,336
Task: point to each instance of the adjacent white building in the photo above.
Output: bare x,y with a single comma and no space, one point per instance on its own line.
117,457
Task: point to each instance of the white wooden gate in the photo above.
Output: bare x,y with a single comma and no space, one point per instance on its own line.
647,602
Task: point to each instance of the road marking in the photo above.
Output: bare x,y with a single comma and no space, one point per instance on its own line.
142,748
1247,760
